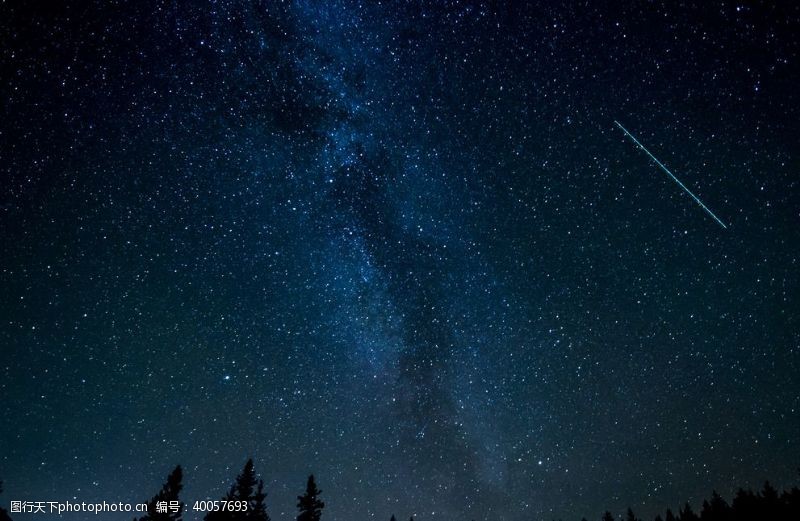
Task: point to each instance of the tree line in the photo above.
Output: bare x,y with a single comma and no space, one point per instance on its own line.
765,505
246,502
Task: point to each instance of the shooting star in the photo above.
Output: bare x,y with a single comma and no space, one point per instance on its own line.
665,169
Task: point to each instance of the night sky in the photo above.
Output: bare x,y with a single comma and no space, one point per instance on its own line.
402,246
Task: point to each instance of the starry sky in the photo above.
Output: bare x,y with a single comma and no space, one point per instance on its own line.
403,246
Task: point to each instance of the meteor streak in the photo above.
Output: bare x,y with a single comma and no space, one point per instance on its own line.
665,169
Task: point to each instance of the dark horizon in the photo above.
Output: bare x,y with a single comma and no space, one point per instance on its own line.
247,494
404,247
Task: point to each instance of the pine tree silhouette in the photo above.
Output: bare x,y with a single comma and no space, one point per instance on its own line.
687,514
770,503
744,505
767,505
168,493
258,509
791,503
716,509
308,504
249,488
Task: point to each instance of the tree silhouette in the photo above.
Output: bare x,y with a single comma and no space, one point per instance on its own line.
770,502
768,505
716,509
168,493
308,504
791,503
257,507
248,488
687,514
744,505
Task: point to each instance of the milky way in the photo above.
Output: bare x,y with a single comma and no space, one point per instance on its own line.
403,247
